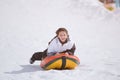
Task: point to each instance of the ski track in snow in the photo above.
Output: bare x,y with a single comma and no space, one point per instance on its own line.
27,26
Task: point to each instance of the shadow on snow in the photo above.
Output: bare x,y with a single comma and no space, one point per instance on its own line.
26,69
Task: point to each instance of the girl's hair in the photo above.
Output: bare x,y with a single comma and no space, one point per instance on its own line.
57,32
61,29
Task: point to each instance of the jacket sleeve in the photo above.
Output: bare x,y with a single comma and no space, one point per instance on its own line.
51,47
71,51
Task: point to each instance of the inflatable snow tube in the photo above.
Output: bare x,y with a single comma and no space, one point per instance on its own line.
61,61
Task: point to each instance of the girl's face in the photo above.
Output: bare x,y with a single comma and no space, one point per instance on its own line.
62,36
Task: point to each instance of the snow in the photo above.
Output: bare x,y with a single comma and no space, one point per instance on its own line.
26,26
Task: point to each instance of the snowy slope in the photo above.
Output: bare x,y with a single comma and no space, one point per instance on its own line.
26,26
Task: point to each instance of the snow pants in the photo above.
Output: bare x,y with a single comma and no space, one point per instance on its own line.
39,55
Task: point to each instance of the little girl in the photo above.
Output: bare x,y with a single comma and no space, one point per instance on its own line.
61,43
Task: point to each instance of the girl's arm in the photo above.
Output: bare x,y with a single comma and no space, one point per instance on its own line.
70,51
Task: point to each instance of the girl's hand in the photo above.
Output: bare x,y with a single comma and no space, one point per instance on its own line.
57,54
67,53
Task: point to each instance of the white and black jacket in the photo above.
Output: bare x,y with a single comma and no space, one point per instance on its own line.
56,46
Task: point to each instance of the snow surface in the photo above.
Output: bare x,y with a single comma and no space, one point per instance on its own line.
26,26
